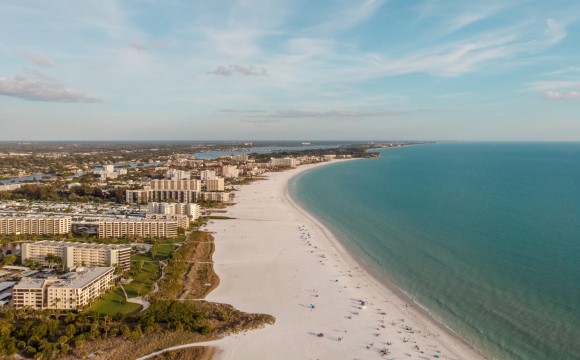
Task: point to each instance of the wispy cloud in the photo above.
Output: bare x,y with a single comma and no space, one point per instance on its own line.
147,46
39,89
562,95
349,16
333,113
39,60
239,70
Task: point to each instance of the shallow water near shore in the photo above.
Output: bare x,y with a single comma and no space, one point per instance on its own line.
486,236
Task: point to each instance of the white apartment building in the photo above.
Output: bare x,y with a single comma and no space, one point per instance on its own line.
174,174
214,196
34,225
216,184
131,228
240,157
148,195
193,185
182,220
73,291
230,171
189,209
78,254
108,168
284,162
207,174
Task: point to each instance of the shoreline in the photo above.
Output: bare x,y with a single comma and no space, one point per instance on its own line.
373,277
276,258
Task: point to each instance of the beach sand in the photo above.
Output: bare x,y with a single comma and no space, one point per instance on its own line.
274,258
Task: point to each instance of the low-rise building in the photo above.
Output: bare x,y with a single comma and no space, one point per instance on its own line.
76,254
72,291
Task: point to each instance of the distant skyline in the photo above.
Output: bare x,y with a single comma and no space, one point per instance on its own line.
290,70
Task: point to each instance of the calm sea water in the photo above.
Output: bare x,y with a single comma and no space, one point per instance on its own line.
486,236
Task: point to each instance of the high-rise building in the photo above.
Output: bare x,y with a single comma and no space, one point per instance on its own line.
189,209
132,228
194,185
174,174
284,162
216,184
35,225
230,171
207,174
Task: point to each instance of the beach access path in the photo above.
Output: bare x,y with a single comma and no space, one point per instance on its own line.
274,258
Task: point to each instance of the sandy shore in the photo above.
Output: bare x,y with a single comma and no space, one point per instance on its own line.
276,259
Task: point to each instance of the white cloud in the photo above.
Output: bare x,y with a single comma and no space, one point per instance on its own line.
39,60
238,69
41,90
349,16
562,95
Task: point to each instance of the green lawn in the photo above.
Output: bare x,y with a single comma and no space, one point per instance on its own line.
114,302
143,280
166,247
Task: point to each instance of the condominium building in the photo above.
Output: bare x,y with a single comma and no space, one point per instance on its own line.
284,162
174,174
193,185
240,157
216,184
189,209
78,254
230,171
132,228
148,195
34,225
182,220
214,196
72,291
207,174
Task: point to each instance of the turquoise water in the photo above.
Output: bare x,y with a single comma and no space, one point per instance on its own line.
486,236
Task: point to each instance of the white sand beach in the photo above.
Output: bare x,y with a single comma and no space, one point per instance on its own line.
273,258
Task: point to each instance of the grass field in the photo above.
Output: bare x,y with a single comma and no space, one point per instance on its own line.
114,302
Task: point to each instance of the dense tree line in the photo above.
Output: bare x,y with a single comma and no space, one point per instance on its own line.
83,193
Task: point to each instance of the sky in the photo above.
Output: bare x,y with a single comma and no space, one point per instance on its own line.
290,70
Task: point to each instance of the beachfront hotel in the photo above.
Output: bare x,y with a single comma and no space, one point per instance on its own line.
34,225
78,254
72,291
132,228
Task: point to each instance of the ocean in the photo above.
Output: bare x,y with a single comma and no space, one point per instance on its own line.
486,236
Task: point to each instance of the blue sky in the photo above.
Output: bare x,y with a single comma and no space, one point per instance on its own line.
304,70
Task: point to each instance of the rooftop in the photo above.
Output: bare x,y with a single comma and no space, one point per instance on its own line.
54,243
